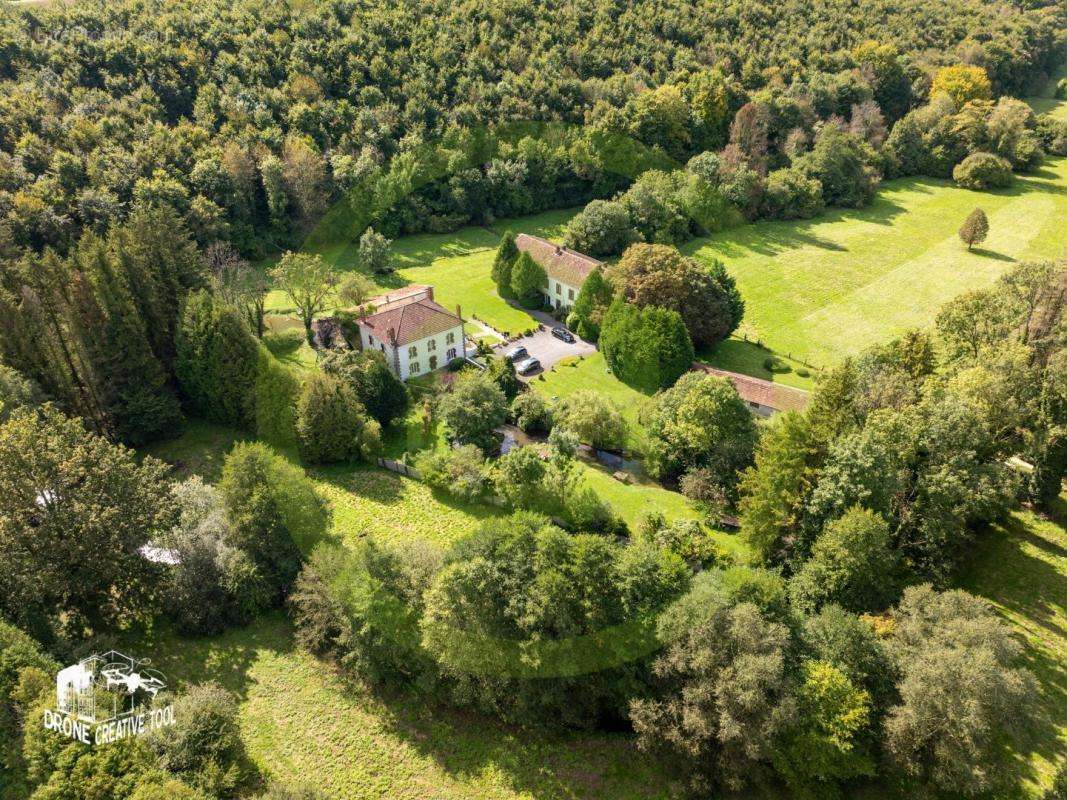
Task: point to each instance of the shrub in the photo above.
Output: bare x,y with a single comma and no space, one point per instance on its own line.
790,194
380,391
703,487
273,513
522,585
593,417
844,166
531,413
458,472
517,476
980,171
649,348
1061,89
587,512
204,743
331,423
362,606
776,365
197,600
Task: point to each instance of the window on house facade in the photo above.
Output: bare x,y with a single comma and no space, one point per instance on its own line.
450,337
370,339
414,369
433,363
570,294
413,352
451,354
559,289
431,346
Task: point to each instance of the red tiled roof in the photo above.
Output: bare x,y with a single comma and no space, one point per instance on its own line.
397,298
558,262
411,321
757,390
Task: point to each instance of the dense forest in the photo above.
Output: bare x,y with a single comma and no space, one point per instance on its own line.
249,118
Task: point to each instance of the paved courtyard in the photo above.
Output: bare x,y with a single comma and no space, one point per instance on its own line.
547,349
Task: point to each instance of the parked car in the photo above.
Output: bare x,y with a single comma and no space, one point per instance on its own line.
517,354
564,334
527,366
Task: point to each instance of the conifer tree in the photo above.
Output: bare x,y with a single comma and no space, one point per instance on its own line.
506,253
141,404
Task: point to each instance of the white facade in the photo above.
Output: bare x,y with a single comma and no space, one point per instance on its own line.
560,294
421,356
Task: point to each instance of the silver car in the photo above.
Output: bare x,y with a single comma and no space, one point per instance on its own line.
526,366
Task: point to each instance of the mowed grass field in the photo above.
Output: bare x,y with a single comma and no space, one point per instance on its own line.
829,287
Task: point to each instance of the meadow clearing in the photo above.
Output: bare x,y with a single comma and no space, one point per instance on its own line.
815,290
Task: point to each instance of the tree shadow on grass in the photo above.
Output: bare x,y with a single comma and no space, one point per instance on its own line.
534,761
772,237
362,480
992,255
1021,565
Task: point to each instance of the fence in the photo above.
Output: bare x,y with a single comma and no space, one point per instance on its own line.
399,466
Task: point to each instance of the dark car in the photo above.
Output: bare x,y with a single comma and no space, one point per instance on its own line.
564,334
527,366
518,354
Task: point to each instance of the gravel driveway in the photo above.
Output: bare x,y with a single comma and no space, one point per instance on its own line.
547,349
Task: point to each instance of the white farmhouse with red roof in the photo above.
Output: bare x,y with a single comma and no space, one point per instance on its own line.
566,269
415,334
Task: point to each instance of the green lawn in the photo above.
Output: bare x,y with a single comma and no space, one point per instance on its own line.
364,501
301,723
457,265
1046,102
1021,567
591,372
829,287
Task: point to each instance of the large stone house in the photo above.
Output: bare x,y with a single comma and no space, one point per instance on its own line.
416,334
566,269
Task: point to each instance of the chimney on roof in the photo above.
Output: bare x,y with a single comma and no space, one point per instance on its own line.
559,250
459,312
429,292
